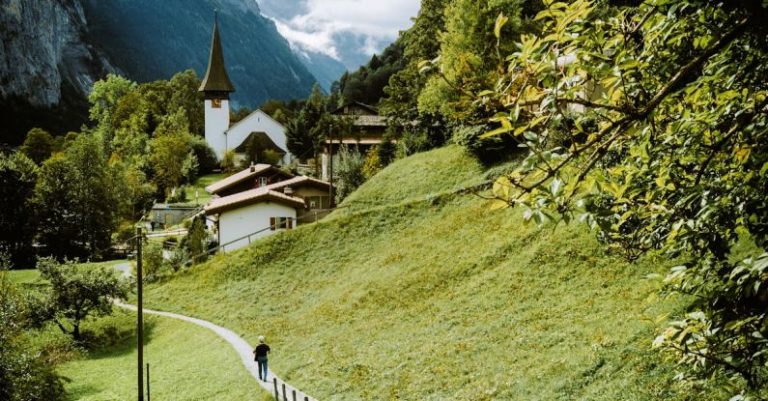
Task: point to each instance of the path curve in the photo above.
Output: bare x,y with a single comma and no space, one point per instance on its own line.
243,349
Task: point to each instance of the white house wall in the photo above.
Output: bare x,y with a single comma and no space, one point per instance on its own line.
258,121
237,223
216,123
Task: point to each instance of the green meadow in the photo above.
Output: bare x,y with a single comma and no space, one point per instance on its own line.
413,290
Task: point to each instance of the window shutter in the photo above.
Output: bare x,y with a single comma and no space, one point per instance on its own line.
272,223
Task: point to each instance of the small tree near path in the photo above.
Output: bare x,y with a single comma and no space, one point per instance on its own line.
76,292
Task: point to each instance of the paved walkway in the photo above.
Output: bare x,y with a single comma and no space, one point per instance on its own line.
243,349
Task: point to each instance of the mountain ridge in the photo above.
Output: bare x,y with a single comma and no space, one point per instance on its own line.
55,49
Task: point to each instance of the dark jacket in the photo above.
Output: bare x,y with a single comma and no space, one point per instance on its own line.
261,351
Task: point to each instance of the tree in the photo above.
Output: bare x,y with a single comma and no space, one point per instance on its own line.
76,292
76,197
38,145
18,175
196,241
471,57
418,129
185,95
651,120
170,150
24,373
304,134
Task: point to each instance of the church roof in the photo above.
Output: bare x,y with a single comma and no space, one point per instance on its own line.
216,78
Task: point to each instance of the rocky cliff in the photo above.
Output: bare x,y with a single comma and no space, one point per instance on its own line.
52,51
46,66
43,47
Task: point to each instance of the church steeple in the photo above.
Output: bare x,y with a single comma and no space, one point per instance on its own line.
216,83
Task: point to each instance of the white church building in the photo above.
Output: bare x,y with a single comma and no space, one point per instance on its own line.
222,137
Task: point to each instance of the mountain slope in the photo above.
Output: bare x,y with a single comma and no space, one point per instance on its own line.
46,66
53,51
412,291
152,40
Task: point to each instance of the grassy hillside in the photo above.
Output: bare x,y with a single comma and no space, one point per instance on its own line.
186,362
406,295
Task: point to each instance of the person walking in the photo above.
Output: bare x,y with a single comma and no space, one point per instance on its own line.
260,356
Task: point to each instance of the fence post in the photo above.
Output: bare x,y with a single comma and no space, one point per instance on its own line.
149,392
285,394
277,396
306,398
294,395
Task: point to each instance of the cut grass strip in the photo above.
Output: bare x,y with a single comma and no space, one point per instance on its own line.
186,362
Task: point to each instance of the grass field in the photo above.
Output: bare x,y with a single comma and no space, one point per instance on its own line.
32,276
196,192
403,294
186,363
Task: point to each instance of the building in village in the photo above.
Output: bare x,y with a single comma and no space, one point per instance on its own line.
365,129
219,134
262,200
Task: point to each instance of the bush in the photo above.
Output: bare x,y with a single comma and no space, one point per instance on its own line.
179,258
372,163
152,261
195,244
487,150
206,157
178,195
349,172
228,164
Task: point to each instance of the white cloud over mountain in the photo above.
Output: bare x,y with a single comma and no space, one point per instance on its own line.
325,26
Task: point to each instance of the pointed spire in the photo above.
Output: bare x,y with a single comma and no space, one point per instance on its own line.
216,79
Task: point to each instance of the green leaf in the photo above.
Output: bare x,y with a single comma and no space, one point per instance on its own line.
501,20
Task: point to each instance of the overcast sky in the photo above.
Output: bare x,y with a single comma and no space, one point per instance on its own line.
320,25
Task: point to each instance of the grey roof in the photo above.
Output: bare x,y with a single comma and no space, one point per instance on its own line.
216,78
264,141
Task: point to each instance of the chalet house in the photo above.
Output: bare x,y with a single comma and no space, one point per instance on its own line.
262,200
219,135
367,130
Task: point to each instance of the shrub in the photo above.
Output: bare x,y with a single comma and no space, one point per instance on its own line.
487,150
152,261
195,243
228,164
178,258
349,172
372,164
206,157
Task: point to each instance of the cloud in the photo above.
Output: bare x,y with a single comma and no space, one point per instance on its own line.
319,27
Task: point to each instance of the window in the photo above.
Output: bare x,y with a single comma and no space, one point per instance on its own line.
263,182
280,223
319,202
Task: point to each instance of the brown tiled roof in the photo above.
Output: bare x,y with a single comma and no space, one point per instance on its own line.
216,78
270,192
219,205
299,181
237,178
